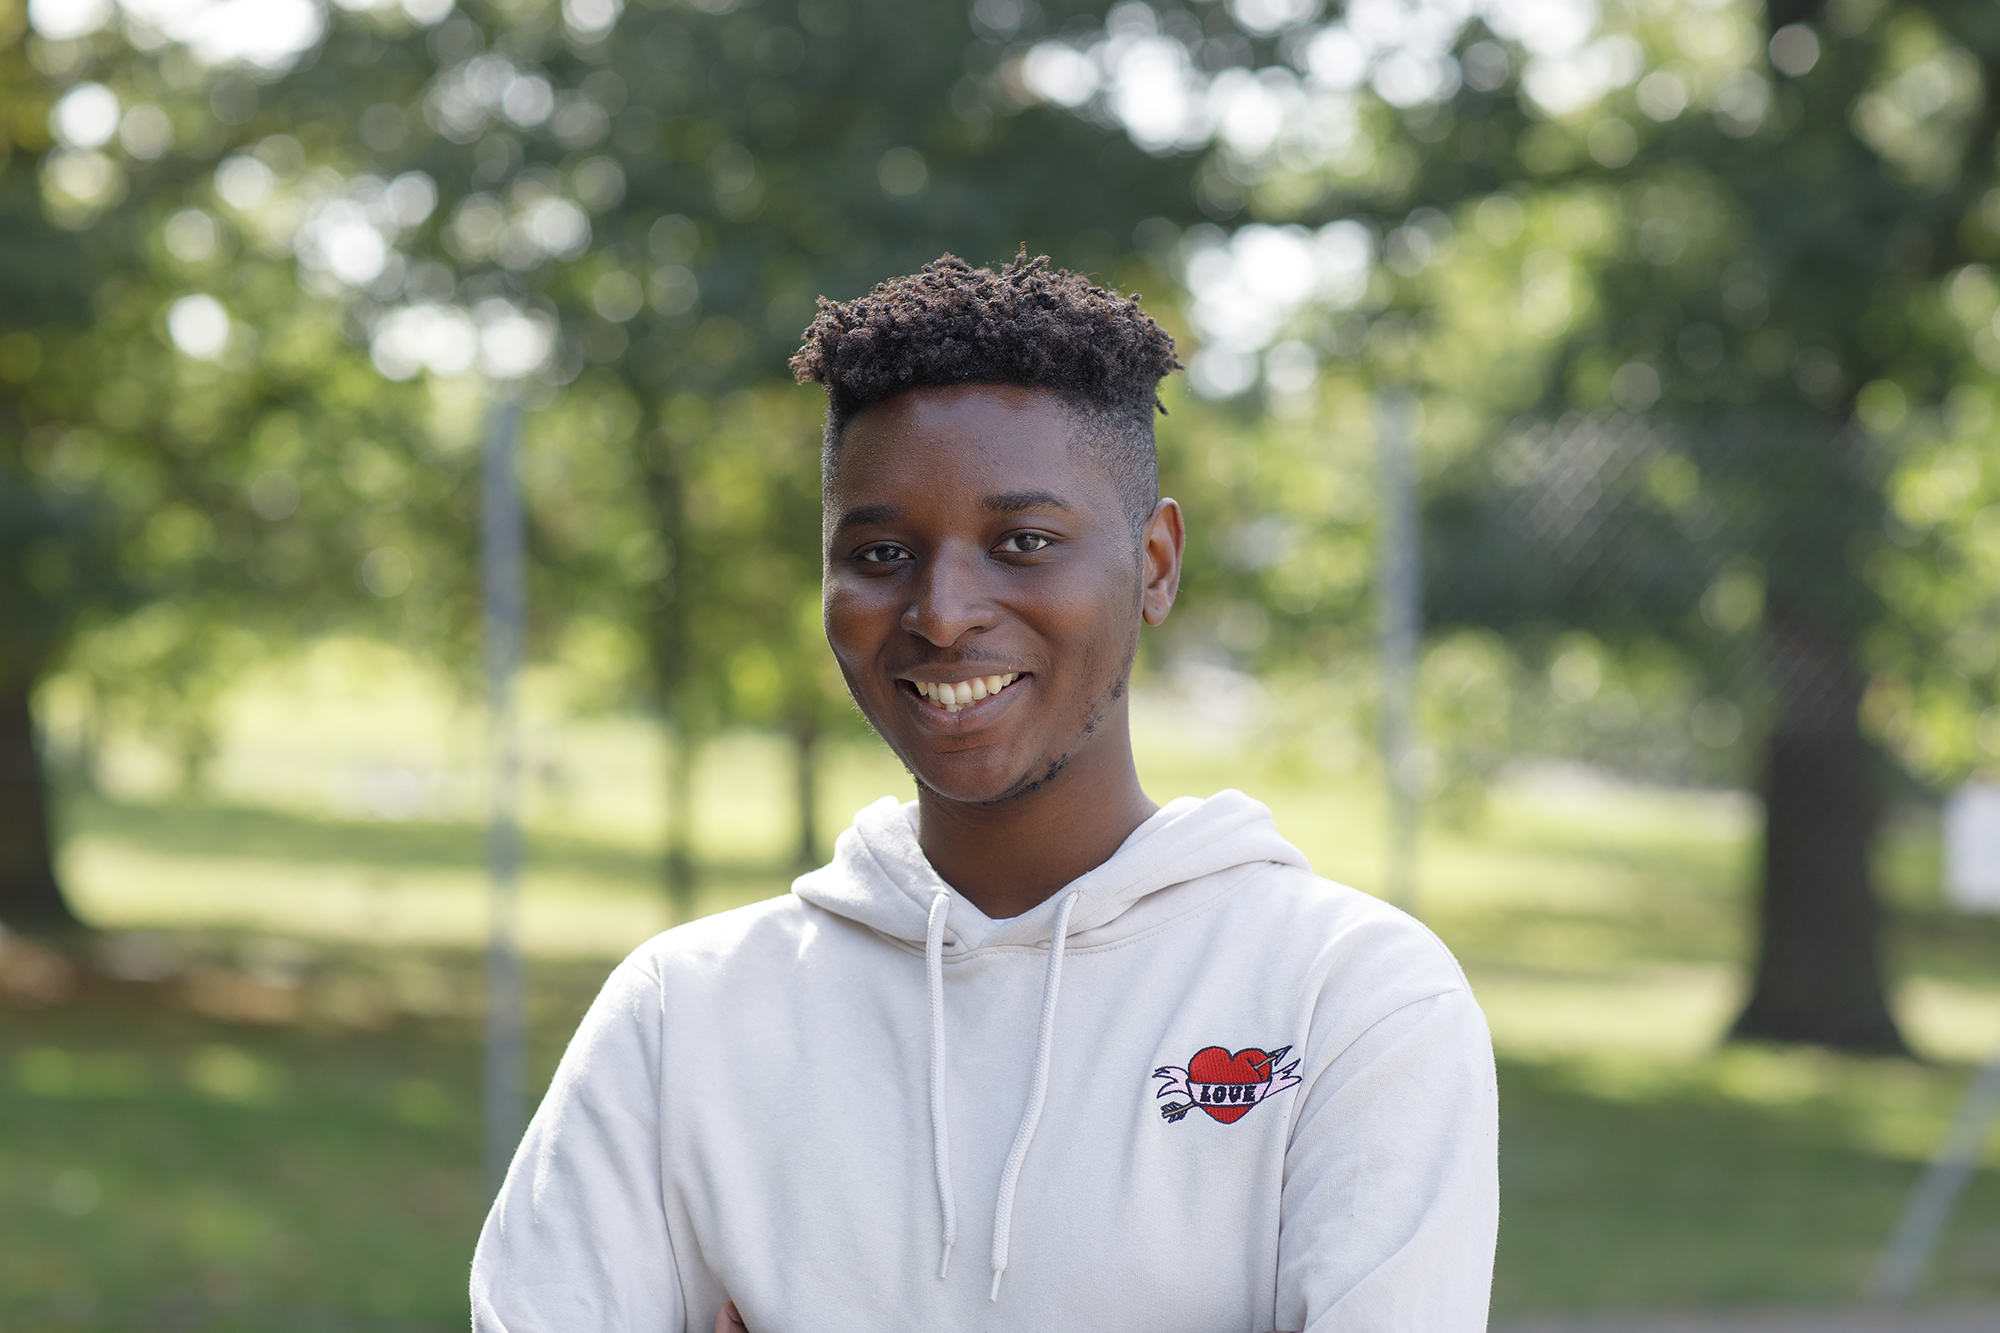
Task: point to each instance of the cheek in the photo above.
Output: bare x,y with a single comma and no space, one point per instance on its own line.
853,620
1098,621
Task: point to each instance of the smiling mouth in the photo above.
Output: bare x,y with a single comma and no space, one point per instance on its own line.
954,695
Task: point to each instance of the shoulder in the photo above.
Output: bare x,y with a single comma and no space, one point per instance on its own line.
1362,954
1329,917
772,933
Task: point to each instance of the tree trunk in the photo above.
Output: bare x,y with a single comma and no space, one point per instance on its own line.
805,747
90,740
1819,970
30,898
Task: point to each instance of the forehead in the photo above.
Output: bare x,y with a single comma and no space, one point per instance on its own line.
958,435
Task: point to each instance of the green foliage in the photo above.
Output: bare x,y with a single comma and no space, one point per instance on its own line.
1698,237
664,200
242,465
1728,287
55,551
1752,283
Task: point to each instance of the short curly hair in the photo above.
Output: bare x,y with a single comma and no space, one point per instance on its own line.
1028,324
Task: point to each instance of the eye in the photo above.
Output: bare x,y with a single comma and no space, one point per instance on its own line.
881,553
1022,543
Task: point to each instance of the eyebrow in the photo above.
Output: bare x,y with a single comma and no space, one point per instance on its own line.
1006,502
1015,502
863,515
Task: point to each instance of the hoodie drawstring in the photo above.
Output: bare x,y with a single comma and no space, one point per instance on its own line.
1038,1088
940,1131
1003,1207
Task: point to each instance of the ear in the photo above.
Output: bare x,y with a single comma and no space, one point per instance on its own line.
1160,546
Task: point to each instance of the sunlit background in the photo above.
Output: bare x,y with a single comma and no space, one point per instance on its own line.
1669,324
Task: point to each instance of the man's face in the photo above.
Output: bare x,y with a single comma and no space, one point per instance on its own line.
970,547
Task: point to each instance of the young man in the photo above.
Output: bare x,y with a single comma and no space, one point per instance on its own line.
1033,1052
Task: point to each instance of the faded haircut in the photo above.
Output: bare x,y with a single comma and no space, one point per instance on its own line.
1027,325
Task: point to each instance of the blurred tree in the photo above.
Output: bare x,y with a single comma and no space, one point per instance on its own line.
52,552
189,451
759,496
51,544
670,188
250,472
1764,233
1726,267
1764,284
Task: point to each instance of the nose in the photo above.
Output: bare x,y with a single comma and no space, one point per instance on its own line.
948,599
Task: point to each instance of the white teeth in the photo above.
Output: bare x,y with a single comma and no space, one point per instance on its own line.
954,695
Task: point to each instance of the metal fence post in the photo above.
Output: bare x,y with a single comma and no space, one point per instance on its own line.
1399,619
1936,1193
504,594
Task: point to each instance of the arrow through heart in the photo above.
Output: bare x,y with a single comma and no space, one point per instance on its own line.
1225,1086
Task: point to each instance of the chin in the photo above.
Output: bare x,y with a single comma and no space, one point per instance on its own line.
983,784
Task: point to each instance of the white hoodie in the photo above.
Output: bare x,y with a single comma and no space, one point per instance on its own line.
1196,1091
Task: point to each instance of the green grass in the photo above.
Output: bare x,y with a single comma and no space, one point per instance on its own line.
1754,1178
166,1168
319,1170
165,1171
285,1134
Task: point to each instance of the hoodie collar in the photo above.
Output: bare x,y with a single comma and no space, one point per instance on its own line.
880,878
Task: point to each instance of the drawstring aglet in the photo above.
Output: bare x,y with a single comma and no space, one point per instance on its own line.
994,1295
945,1267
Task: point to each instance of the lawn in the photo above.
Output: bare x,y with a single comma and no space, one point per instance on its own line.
266,1119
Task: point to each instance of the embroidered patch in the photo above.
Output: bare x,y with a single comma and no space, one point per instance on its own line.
1224,1085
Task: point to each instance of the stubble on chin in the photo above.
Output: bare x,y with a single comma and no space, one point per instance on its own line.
1029,784
1024,785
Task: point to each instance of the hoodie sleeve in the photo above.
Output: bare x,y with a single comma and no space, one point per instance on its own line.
1391,1194
577,1241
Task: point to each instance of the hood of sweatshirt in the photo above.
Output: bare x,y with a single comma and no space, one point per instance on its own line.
880,878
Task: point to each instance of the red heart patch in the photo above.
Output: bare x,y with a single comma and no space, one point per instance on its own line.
1213,1064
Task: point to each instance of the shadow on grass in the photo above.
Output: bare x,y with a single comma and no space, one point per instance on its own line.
1669,896
1580,943
163,1170
201,829
1685,1199
1950,945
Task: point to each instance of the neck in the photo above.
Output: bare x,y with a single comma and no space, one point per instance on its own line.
1012,855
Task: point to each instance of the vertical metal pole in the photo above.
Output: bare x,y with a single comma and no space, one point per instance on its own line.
1399,613
504,588
1937,1190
